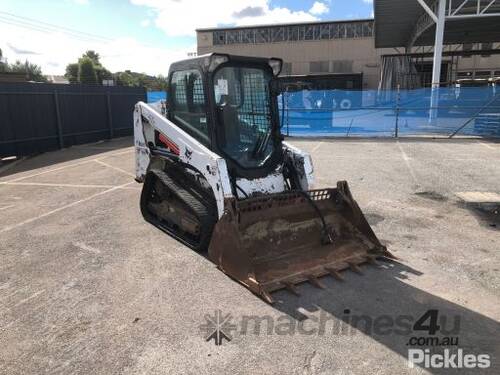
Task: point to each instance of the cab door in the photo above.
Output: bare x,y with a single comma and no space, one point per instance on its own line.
188,108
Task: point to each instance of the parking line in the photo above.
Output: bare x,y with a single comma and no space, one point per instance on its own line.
56,185
50,170
407,162
487,145
13,293
34,295
67,166
11,165
315,148
113,167
10,227
86,247
63,185
119,153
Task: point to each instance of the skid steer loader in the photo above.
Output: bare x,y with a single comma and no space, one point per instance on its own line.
218,176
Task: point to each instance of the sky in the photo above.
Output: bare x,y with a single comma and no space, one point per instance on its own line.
141,35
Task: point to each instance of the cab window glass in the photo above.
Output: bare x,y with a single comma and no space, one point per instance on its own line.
188,109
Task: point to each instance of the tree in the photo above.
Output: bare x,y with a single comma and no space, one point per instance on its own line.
2,64
33,72
89,70
162,83
125,79
102,73
94,56
86,71
128,78
92,67
72,73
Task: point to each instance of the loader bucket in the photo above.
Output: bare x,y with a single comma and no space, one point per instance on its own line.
279,240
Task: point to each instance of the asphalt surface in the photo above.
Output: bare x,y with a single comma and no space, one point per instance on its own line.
87,286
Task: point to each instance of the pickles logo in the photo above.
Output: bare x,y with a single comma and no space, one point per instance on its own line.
447,359
432,323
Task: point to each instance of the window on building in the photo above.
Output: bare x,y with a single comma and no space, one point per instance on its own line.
464,74
467,47
248,36
486,47
286,69
335,31
324,32
293,33
350,31
482,74
319,66
233,37
262,35
271,34
309,32
367,29
219,37
342,66
342,31
278,34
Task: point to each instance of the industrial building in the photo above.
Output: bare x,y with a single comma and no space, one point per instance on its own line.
396,48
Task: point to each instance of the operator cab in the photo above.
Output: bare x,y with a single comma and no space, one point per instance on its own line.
229,104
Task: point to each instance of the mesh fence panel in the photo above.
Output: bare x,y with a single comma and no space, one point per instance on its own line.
469,111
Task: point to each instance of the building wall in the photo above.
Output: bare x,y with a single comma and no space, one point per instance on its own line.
360,51
479,64
339,53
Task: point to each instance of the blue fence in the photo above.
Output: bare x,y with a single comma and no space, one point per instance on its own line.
471,111
155,96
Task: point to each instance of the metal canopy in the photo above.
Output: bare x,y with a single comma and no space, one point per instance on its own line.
403,23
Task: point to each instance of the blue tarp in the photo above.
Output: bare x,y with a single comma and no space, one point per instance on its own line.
155,96
468,110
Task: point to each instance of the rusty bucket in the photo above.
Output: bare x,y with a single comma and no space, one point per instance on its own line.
279,240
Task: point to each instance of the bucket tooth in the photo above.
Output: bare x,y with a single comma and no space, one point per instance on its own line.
291,288
267,297
314,281
355,268
335,274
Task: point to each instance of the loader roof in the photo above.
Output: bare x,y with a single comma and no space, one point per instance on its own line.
202,62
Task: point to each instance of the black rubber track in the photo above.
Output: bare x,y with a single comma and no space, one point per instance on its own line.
203,211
